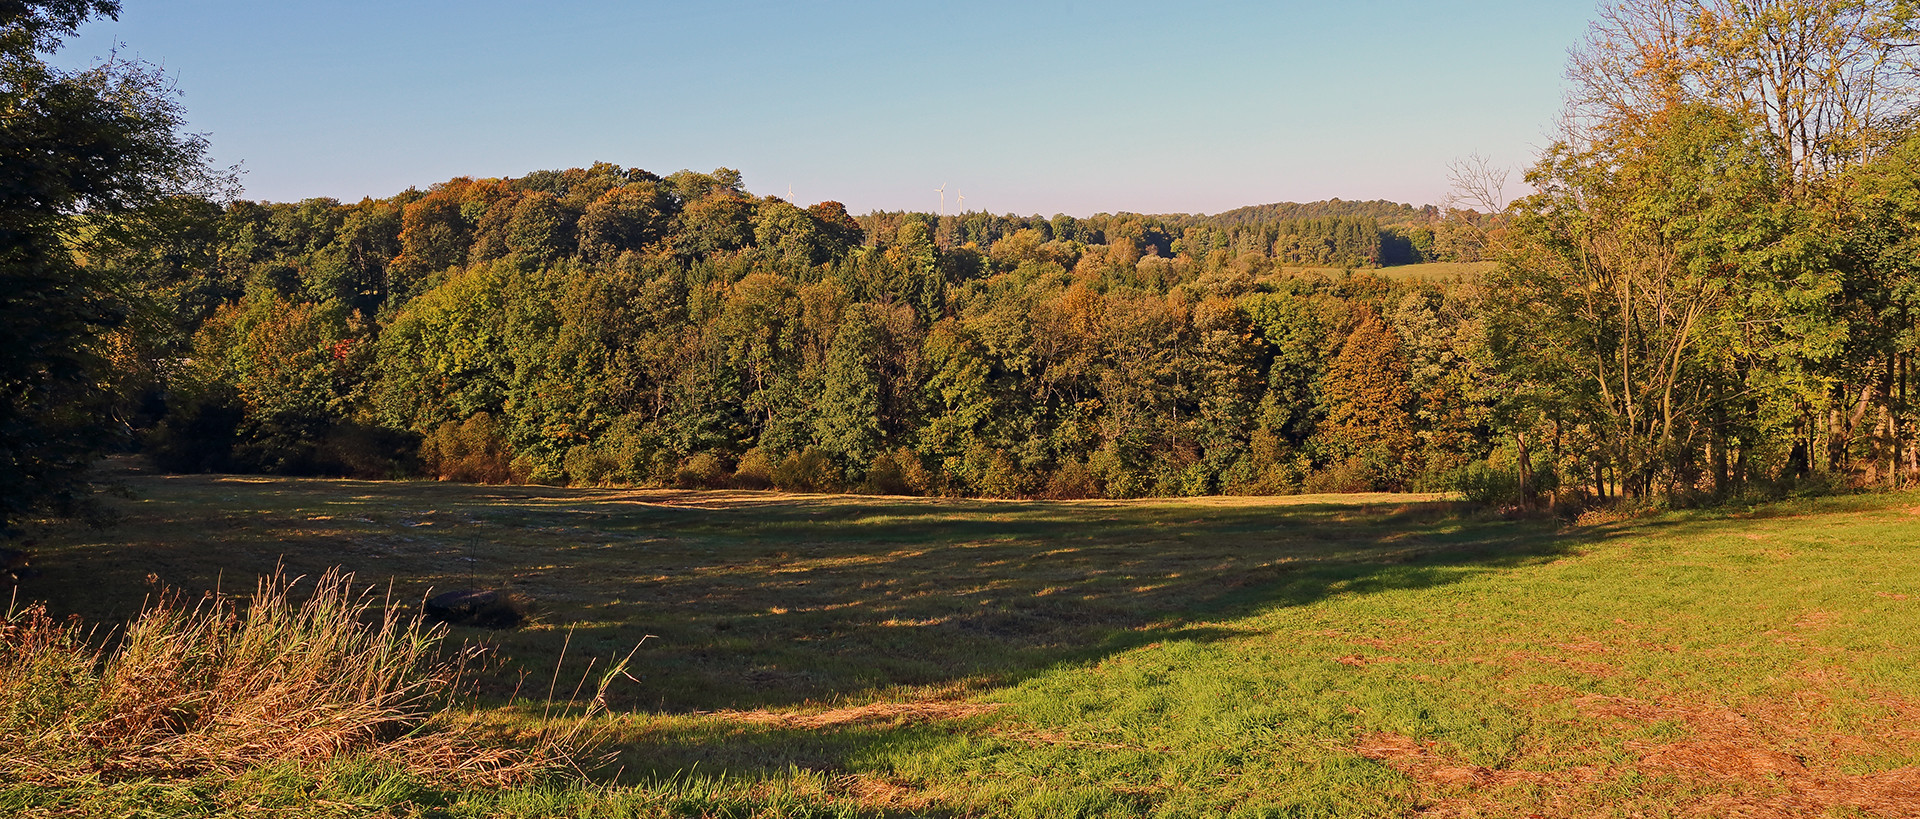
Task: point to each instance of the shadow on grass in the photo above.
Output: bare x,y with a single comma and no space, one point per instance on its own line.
864,595
761,601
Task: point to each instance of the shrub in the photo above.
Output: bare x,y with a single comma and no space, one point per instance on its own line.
755,471
915,476
1121,479
1251,475
1072,481
354,450
1354,474
662,466
590,466
1198,479
1002,478
701,470
197,436
529,468
899,472
214,435
631,457
808,470
895,473
1484,483
471,451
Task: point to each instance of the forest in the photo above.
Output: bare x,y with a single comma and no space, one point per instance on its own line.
612,326
1706,295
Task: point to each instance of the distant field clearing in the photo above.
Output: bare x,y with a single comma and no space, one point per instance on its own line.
1430,270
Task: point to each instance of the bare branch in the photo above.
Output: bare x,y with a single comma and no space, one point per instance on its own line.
1476,183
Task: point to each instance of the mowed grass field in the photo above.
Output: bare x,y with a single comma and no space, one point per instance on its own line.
1306,656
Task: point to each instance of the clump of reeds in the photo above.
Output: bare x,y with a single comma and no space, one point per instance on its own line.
217,685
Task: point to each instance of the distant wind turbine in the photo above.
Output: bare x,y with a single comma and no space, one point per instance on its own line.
942,190
963,201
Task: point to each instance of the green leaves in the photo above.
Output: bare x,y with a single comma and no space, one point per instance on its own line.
82,150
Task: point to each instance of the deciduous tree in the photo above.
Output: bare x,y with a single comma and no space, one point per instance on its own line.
79,149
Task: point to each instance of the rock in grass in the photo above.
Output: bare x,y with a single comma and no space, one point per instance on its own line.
485,608
15,566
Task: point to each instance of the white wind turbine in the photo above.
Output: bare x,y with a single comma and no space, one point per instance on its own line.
942,190
963,201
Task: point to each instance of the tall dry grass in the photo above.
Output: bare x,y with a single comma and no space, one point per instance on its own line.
217,685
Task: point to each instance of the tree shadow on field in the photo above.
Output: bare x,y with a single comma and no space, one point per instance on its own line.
769,601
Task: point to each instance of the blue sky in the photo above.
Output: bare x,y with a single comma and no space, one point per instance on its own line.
1041,107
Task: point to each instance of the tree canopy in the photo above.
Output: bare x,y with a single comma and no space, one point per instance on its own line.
84,152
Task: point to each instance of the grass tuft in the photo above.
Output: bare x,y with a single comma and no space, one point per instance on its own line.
219,686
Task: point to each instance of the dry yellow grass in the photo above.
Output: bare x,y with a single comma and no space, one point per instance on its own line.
216,685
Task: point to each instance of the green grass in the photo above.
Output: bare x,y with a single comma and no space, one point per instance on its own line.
1353,656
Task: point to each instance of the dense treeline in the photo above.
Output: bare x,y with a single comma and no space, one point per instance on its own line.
608,325
1710,292
1331,234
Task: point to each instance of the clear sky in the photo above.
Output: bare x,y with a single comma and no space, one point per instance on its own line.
1042,106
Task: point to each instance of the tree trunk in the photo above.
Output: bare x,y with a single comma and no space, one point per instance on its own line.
1837,430
1717,445
1890,445
1526,470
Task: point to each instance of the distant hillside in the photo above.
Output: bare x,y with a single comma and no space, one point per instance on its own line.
1332,233
1379,210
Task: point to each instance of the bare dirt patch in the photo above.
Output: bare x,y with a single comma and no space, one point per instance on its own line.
892,713
1787,785
1360,661
1590,668
1816,621
1422,763
1770,779
1764,761
876,792
1457,788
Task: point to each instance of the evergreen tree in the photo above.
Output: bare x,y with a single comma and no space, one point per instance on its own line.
847,419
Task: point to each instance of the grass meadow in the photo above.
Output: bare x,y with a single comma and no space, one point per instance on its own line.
1370,655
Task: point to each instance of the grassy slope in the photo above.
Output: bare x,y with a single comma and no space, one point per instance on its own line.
1368,656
